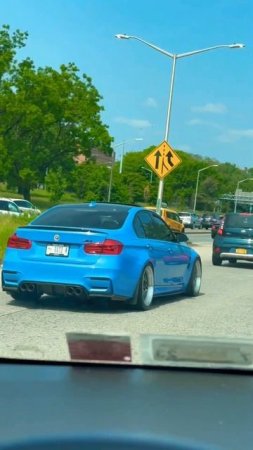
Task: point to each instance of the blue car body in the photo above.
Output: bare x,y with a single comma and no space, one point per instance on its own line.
68,256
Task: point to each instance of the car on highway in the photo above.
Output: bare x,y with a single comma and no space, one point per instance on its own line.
234,239
216,225
171,217
8,207
190,220
26,206
100,250
208,220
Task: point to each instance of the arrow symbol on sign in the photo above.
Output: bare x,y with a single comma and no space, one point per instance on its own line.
169,158
158,156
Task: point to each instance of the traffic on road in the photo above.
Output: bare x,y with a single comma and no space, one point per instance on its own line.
219,311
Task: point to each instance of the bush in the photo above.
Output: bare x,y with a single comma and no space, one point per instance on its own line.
8,224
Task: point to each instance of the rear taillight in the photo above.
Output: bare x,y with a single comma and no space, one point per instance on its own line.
16,242
221,229
108,247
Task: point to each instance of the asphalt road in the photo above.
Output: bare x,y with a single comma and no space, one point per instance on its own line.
224,309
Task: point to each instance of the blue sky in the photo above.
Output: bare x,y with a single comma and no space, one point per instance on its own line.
213,97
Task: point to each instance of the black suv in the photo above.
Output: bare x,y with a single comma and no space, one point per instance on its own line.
208,220
234,239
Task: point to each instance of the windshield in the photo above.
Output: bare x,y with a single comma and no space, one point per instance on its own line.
129,127
8,206
23,203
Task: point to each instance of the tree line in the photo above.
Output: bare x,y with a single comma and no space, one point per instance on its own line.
49,116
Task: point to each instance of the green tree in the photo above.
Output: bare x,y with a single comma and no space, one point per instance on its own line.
48,116
56,184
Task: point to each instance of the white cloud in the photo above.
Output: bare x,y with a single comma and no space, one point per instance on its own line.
194,122
233,135
197,121
150,102
135,123
214,108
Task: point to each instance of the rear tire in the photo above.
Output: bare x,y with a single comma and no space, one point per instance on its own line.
216,260
194,284
145,289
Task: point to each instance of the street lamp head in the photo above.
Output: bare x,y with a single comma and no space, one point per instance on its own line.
236,45
138,139
122,36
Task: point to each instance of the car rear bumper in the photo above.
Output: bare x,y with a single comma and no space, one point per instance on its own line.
68,280
65,290
230,255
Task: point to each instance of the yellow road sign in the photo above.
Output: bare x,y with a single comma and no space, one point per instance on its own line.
163,159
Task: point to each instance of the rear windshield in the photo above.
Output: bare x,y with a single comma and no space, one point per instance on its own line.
81,217
239,221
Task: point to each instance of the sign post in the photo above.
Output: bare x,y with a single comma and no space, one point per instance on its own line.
162,160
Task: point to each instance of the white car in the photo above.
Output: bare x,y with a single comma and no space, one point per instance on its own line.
7,206
190,220
26,207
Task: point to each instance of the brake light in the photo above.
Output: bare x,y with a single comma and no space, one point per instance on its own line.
16,242
221,229
108,247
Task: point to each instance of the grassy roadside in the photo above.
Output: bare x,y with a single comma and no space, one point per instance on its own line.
39,197
7,227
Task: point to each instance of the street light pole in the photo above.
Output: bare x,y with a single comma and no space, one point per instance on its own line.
197,184
123,151
121,162
121,158
237,187
174,57
110,181
150,171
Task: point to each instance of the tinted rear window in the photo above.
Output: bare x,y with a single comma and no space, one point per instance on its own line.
239,221
83,217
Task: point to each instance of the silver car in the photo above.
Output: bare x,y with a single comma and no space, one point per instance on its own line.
190,220
26,207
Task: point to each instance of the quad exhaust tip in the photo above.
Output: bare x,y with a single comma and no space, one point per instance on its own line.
74,291
28,287
70,291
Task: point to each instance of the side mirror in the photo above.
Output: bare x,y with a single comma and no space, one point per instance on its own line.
181,237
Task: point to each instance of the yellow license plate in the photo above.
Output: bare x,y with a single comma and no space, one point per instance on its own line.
241,251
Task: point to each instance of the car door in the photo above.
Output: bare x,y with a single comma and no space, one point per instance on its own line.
177,256
157,250
168,257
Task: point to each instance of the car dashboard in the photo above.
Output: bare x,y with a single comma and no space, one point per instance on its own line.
91,406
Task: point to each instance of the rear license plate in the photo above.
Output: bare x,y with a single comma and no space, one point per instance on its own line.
241,251
57,250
